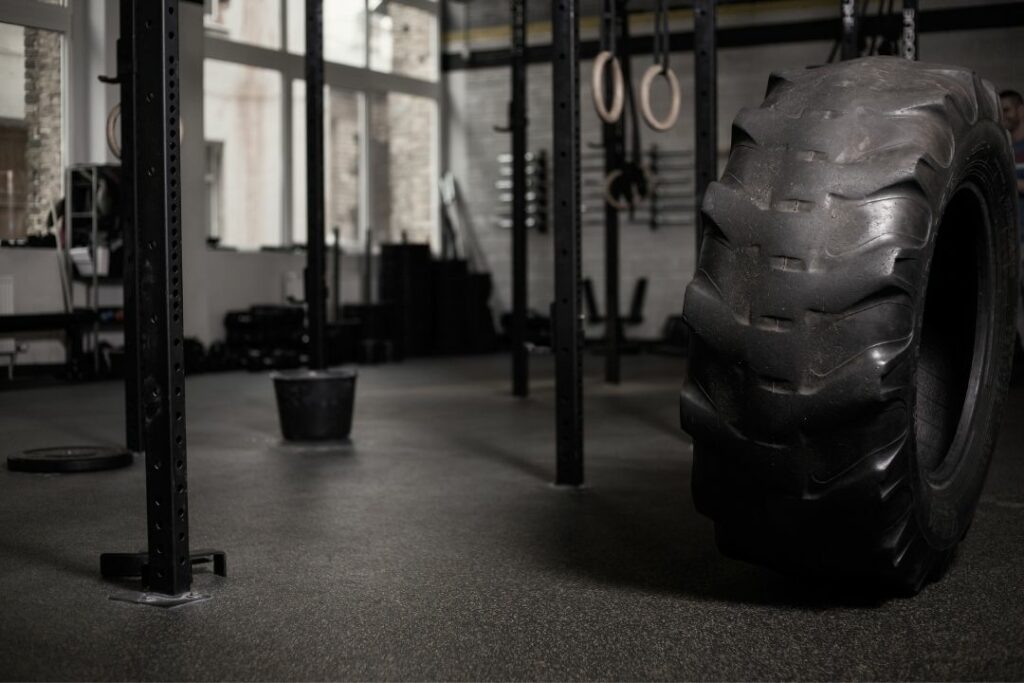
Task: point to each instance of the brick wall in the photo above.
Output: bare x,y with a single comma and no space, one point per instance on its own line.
413,42
43,116
411,124
477,101
403,135
344,164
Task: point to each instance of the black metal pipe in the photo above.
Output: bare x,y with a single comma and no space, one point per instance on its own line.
613,141
568,332
367,285
336,293
132,360
935,20
520,273
706,106
154,143
316,283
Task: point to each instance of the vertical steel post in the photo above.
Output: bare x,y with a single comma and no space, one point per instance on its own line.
132,318
154,127
10,203
367,293
517,112
705,63
848,41
94,242
612,139
316,283
909,48
568,327
336,271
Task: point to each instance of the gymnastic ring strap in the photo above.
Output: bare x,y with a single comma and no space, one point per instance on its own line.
614,113
653,71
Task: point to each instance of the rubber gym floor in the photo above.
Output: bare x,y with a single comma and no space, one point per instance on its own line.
434,546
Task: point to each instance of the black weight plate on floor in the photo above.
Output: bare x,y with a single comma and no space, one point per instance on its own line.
65,459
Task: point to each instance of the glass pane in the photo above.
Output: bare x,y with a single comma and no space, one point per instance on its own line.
403,40
257,22
403,178
31,107
344,30
342,173
243,135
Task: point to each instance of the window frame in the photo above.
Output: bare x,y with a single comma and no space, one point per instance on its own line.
35,14
363,81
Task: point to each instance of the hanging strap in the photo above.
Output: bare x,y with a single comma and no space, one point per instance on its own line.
661,35
608,26
633,152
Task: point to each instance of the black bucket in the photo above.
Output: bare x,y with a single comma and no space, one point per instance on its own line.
315,405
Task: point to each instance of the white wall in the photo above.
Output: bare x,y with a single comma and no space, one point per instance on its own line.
91,53
37,289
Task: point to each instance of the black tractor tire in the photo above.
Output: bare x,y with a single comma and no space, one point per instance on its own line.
853,322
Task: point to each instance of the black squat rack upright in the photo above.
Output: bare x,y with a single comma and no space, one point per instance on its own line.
517,126
316,257
148,71
566,311
566,323
613,143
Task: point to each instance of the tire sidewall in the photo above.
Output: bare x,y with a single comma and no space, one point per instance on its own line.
944,506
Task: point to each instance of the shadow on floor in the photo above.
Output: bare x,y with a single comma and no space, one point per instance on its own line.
35,553
648,409
644,533
650,537
477,446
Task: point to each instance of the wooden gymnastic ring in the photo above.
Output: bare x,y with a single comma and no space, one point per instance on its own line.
113,143
618,87
645,97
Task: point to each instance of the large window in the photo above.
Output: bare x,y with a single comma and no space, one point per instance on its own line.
343,167
344,30
403,40
31,126
257,22
380,118
242,121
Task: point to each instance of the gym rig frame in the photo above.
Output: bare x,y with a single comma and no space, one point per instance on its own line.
566,320
154,386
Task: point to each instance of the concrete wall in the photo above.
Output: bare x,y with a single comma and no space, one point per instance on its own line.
477,102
